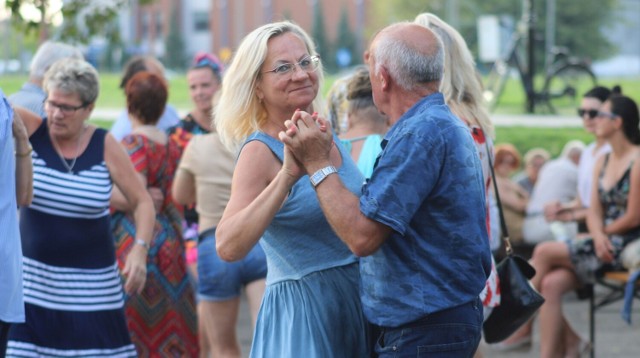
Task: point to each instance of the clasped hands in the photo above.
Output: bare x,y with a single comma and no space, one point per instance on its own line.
308,140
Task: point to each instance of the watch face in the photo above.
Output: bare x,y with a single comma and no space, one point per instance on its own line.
318,176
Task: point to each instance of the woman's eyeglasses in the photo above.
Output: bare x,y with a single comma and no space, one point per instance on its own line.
64,109
592,113
308,64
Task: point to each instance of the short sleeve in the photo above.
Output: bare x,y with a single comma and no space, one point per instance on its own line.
407,171
189,156
137,150
6,117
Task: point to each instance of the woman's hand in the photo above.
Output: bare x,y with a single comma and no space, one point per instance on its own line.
157,197
308,137
135,270
19,129
551,210
604,248
291,166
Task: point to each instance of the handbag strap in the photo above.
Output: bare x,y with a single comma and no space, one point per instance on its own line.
503,225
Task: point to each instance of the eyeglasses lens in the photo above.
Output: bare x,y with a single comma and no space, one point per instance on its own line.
591,113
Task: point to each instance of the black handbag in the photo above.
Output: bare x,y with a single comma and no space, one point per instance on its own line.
519,299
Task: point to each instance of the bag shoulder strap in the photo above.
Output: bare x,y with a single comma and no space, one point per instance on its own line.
503,225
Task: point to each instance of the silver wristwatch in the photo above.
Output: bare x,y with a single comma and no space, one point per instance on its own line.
319,176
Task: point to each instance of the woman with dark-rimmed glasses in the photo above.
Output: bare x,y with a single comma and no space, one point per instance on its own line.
613,220
73,292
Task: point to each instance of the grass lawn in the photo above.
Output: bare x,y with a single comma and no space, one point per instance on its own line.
111,96
511,101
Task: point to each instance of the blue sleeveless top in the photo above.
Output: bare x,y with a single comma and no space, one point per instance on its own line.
299,239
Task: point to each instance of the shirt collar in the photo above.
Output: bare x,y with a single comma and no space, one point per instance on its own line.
433,99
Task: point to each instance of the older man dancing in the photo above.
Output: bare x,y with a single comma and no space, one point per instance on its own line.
419,224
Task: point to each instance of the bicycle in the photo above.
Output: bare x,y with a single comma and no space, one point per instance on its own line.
562,77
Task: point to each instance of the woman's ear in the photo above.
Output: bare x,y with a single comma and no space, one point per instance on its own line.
259,93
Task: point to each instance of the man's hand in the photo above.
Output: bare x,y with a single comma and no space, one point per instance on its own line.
309,139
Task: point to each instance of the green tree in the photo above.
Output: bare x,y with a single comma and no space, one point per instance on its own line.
82,19
579,24
319,35
346,40
174,45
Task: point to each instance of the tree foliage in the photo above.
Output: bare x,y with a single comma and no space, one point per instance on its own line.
579,24
82,19
319,35
175,46
346,40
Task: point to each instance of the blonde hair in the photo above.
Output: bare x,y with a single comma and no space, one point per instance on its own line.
338,106
461,85
240,112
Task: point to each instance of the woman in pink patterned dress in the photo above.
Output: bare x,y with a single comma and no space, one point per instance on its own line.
162,319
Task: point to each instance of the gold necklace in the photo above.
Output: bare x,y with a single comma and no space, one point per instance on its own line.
62,158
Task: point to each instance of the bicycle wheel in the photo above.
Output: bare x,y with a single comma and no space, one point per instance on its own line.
564,86
494,83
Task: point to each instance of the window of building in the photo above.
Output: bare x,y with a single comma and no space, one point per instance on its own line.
159,23
201,21
144,28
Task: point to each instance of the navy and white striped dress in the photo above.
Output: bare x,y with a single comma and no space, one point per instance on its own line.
73,292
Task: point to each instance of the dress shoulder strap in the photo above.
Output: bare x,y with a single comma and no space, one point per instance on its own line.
276,146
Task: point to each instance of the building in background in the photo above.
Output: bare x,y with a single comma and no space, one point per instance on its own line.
218,26
625,35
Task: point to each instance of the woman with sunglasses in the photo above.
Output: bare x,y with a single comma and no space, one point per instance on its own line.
311,305
577,210
613,220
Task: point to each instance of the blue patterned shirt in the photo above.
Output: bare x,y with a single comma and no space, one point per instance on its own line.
428,187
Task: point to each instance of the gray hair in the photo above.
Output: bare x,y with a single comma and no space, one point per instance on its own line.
73,76
411,67
48,53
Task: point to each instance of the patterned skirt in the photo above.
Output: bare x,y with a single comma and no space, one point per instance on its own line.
162,319
587,265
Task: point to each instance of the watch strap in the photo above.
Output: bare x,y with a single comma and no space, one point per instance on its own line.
321,174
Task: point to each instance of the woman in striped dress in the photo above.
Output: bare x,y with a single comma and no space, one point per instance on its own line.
73,292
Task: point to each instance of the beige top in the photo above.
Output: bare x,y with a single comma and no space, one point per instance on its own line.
212,166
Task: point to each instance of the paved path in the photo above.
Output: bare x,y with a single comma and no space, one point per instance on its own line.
614,338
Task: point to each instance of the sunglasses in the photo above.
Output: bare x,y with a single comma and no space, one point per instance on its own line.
607,115
592,113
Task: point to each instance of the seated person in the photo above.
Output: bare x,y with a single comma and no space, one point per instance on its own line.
513,198
557,182
534,159
613,223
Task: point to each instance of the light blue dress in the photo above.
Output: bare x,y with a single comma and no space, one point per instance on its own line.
311,305
369,153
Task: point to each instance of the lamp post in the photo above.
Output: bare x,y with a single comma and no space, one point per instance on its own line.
529,18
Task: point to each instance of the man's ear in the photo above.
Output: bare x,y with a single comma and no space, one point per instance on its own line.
385,79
